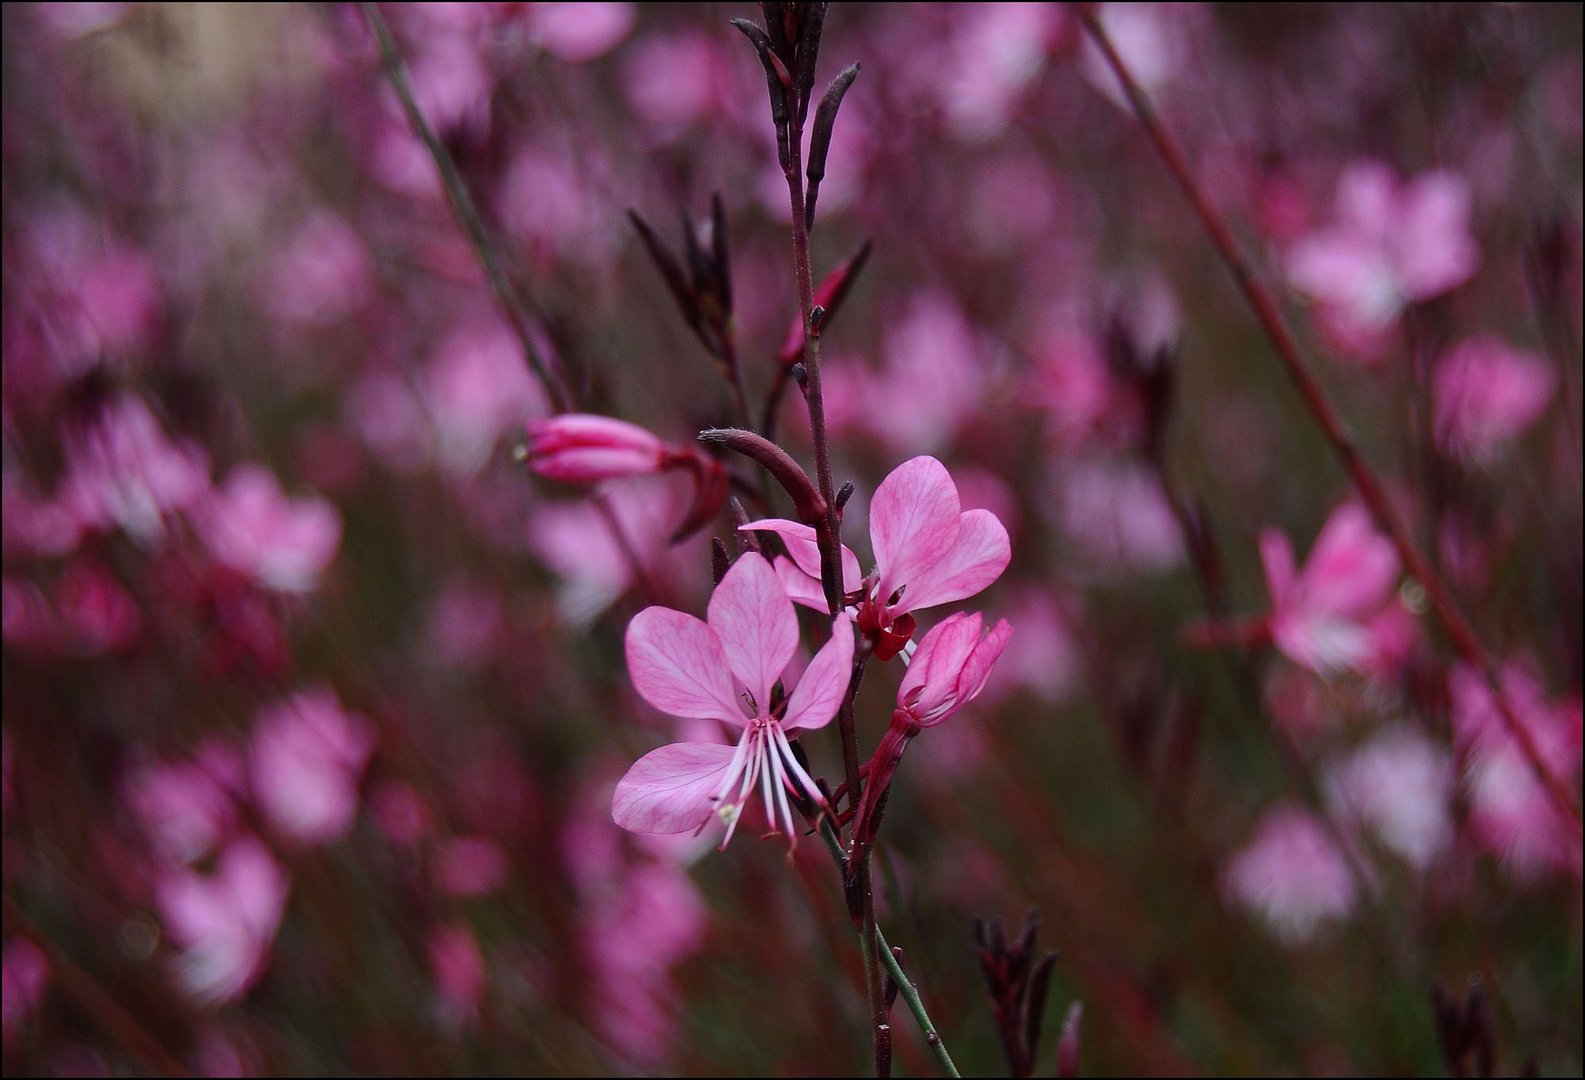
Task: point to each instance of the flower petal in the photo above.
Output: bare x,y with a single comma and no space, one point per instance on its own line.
750,613
672,789
819,693
805,550
913,521
677,663
976,670
1276,555
1351,568
976,559
933,669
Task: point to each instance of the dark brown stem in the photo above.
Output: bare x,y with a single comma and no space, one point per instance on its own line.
1458,628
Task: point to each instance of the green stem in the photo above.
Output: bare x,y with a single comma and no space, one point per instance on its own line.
905,988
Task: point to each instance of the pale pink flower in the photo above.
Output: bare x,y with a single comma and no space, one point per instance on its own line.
579,32
583,449
997,51
256,529
1400,784
320,275
187,807
1391,245
1151,40
1319,616
723,669
1119,515
1487,393
225,922
928,551
123,471
1292,874
1510,811
307,758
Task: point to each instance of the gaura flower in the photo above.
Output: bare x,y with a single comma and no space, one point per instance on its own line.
580,448
928,551
949,670
723,669
1319,616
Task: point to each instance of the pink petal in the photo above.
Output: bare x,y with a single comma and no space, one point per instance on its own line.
1276,555
819,693
799,586
677,663
750,613
977,668
935,664
1367,199
913,521
672,789
1351,567
1435,251
978,558
805,551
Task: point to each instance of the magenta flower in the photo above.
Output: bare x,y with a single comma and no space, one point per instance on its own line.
928,551
950,668
1392,245
284,544
579,448
1292,873
723,669
1319,617
1487,393
305,764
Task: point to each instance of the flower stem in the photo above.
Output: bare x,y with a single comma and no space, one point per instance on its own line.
905,988
1454,622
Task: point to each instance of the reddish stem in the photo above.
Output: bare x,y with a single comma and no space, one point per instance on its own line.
1453,620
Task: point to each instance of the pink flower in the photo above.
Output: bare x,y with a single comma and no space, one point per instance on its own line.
579,32
723,669
1510,812
282,543
460,974
1318,617
950,668
1392,244
305,764
928,551
124,472
581,449
320,275
225,921
1292,873
186,807
1487,393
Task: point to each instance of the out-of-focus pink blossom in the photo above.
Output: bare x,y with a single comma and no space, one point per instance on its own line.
471,866
1149,38
123,471
26,618
30,525
996,51
928,551
1511,814
930,384
1486,393
459,972
1400,784
187,808
1292,874
24,976
582,449
723,669
1318,617
1120,517
476,390
305,763
256,529
1391,245
579,32
321,274
96,614
400,812
225,922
